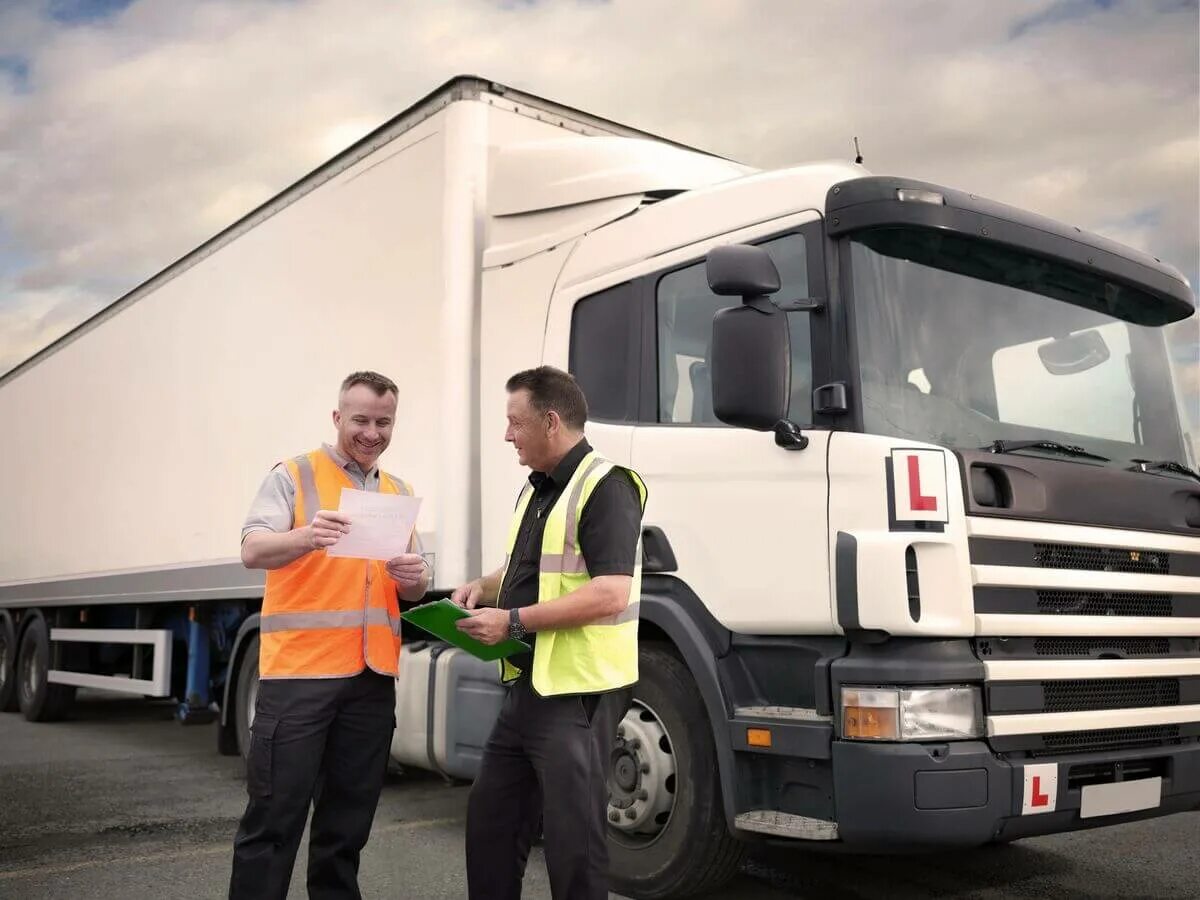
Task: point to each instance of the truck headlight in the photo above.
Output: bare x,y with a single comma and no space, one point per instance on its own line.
911,714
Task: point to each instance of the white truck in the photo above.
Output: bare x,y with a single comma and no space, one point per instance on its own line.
922,547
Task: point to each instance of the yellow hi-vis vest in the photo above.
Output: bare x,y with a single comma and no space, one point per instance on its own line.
592,658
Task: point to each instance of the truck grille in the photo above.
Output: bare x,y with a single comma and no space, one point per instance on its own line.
1101,559
1105,603
1079,695
1086,647
1067,586
1107,739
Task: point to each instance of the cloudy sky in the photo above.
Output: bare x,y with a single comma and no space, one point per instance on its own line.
131,130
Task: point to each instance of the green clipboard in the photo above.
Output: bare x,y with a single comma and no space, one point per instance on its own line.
438,618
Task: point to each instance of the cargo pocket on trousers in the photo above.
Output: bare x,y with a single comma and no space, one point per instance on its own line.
260,762
590,703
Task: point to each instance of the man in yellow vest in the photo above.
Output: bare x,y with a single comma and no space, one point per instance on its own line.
328,645
571,587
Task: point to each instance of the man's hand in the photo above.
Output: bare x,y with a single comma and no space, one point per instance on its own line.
326,529
488,625
468,596
406,570
264,549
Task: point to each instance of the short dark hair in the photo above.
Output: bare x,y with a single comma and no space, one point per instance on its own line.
380,384
552,389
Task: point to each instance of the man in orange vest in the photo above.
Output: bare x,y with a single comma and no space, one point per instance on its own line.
329,644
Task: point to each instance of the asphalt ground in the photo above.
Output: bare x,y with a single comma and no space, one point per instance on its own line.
122,802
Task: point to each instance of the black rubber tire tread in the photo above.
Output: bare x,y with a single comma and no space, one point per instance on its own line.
227,739
48,702
8,687
246,671
696,853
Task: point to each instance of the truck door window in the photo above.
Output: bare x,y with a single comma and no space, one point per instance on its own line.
686,308
605,352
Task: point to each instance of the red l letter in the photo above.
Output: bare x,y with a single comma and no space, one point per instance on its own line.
917,502
1038,798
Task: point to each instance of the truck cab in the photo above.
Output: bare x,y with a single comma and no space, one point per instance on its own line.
922,542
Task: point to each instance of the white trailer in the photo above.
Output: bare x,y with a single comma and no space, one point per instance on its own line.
954,599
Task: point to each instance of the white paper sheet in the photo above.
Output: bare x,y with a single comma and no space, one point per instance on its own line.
380,524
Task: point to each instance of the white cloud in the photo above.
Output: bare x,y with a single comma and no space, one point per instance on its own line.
138,136
37,318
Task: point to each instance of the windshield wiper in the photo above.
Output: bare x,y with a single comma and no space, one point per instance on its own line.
1055,446
1163,465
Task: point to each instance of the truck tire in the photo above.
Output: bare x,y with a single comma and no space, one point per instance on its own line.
247,694
40,701
667,831
8,663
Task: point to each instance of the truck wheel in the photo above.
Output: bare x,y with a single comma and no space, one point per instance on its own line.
40,701
247,694
8,664
666,825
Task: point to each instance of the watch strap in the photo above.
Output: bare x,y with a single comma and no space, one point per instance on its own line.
515,629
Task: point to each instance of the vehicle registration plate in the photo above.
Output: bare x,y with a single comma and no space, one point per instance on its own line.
1120,797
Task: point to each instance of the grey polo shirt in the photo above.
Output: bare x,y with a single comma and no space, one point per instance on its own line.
274,507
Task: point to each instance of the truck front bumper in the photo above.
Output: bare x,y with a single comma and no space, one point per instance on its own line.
926,796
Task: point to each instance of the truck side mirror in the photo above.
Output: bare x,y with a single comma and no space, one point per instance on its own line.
750,361
740,270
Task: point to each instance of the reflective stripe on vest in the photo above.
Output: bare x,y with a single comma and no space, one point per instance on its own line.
324,616
598,657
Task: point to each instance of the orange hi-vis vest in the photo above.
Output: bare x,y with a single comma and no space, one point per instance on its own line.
325,616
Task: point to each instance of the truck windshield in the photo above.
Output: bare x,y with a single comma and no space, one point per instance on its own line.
962,343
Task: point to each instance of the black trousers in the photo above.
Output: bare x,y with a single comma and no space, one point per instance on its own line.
546,762
319,742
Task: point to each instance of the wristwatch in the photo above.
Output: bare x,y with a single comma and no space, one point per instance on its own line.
516,630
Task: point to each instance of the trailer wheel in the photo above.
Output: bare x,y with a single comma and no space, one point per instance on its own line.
667,832
40,701
8,663
247,694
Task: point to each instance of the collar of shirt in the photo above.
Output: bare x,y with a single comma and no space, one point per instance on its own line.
566,467
350,465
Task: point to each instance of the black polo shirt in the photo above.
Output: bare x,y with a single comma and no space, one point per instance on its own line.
609,529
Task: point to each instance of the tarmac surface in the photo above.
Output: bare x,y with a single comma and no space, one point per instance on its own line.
122,802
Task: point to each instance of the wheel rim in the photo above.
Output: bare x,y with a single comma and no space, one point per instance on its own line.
641,777
251,700
31,675
4,662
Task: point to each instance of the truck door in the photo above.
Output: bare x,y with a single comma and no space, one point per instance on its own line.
746,519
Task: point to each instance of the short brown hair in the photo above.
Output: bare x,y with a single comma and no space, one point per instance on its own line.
380,384
552,389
